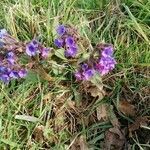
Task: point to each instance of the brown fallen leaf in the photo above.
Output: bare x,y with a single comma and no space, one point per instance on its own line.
101,112
126,108
96,92
94,88
139,121
79,144
114,139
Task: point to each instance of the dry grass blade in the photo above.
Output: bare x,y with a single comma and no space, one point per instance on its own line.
26,118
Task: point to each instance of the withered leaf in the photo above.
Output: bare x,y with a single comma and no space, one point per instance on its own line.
139,121
112,117
94,88
96,92
80,144
126,108
101,112
114,139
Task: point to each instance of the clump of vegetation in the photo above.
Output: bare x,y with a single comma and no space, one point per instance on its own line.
74,74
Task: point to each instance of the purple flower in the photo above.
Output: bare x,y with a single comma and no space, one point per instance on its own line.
71,52
35,43
10,58
22,73
3,69
88,74
2,33
78,75
5,78
105,65
45,51
61,29
14,74
59,43
32,48
85,72
69,41
107,51
84,66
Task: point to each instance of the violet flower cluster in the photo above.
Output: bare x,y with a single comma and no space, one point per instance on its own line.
34,48
85,72
66,41
9,68
104,64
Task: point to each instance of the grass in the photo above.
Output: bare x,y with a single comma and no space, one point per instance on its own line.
123,23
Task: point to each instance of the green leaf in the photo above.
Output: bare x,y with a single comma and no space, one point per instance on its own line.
60,54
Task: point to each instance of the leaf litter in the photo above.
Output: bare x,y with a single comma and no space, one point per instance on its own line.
69,115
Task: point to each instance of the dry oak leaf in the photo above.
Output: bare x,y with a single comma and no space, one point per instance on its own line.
126,108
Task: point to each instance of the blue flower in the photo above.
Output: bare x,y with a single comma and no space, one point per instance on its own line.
71,52
69,41
14,74
5,78
10,58
3,69
32,48
61,29
87,74
59,43
107,51
84,66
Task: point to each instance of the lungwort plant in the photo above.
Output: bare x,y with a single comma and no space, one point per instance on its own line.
99,61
